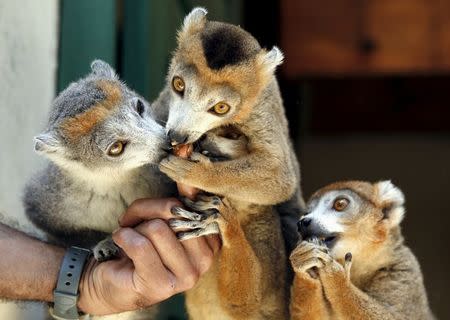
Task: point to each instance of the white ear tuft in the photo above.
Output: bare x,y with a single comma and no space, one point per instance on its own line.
387,192
196,18
272,59
46,143
103,69
392,200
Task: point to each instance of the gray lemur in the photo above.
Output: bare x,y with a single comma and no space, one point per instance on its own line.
104,145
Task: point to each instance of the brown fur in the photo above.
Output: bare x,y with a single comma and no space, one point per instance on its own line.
244,282
248,279
248,78
382,281
82,124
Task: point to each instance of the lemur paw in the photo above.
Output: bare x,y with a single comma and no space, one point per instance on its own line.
176,168
184,170
199,224
105,250
309,256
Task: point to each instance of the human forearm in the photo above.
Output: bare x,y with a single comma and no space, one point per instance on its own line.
28,267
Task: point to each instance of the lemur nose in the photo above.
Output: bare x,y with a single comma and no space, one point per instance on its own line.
176,137
303,224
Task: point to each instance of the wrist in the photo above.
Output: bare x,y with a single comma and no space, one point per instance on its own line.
88,301
92,296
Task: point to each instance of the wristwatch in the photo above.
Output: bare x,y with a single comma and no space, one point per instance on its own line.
65,296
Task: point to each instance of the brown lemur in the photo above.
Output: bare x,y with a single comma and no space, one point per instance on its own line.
220,80
353,263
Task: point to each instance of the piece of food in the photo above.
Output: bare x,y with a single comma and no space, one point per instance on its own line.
184,151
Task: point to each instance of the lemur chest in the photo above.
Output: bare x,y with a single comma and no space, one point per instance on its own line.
100,211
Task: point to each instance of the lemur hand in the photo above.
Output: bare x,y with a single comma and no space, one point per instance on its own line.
309,256
186,171
313,257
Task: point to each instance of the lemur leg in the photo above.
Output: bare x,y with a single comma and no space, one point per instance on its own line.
307,296
240,271
105,250
346,300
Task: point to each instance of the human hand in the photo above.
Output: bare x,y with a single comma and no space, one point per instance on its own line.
154,264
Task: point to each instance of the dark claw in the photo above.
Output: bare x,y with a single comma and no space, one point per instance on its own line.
348,257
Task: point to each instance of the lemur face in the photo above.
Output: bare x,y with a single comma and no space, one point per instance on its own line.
99,127
216,76
198,106
352,216
129,139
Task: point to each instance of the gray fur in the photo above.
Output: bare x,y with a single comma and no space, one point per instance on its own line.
78,198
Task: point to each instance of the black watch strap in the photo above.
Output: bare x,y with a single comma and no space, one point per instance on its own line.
65,296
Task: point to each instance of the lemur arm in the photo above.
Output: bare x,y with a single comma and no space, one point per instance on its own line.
240,280
307,299
389,296
251,178
307,296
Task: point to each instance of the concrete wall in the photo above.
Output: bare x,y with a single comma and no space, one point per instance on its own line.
28,61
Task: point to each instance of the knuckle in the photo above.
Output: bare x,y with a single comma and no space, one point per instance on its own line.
136,205
171,202
140,247
190,279
120,235
156,228
206,261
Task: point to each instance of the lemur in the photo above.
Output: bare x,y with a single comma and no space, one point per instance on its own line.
220,79
353,263
104,147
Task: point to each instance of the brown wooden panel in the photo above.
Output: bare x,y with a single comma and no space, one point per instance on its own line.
324,37
402,31
319,35
443,30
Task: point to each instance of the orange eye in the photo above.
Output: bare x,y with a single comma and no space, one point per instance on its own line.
116,149
220,108
340,204
178,84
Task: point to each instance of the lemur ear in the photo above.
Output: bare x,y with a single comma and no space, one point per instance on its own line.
194,21
391,200
272,59
46,143
103,69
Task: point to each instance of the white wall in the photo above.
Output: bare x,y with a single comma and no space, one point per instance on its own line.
28,60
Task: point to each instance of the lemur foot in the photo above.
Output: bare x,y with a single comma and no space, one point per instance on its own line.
202,223
212,228
105,250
